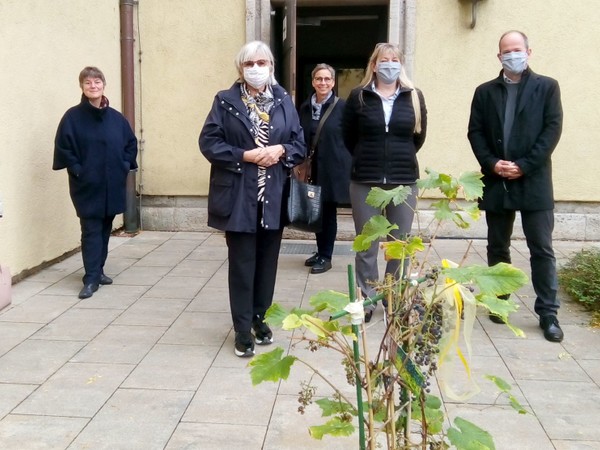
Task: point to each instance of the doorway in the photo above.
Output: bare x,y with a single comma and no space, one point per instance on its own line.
341,36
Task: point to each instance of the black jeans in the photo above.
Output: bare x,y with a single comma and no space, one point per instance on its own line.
95,234
326,237
252,272
537,227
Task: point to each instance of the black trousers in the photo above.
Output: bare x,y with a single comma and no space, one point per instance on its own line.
326,237
537,227
95,234
252,272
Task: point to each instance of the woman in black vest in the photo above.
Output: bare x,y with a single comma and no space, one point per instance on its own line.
385,123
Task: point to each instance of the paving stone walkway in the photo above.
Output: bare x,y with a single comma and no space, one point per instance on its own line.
147,363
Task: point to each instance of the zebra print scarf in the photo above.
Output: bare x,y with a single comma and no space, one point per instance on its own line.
259,108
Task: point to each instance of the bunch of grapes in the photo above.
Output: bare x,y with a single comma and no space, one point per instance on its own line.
428,325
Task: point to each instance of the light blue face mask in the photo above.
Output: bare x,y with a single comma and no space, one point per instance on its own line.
514,62
388,71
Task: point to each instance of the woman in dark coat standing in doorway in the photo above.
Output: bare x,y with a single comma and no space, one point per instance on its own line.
96,145
331,160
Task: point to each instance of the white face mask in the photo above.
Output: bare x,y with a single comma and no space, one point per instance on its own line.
388,71
256,76
514,62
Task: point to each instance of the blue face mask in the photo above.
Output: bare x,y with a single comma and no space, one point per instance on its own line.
514,62
388,71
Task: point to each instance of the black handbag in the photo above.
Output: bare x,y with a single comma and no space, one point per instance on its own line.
305,206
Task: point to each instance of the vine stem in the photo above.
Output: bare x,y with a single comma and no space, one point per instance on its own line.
368,387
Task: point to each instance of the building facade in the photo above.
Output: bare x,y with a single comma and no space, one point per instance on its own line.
184,54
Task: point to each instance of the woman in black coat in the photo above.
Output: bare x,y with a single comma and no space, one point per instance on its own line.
96,145
252,138
385,123
330,159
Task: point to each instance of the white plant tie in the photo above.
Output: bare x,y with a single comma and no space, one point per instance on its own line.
356,311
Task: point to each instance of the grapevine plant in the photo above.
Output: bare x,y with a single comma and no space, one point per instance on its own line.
429,313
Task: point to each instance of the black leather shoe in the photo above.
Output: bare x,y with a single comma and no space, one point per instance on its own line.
321,266
105,280
312,260
496,319
88,290
552,331
368,315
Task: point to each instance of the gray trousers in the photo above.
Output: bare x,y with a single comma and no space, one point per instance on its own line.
367,271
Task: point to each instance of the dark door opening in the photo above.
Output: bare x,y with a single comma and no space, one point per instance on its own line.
341,36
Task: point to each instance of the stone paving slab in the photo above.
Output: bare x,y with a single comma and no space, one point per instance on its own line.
148,363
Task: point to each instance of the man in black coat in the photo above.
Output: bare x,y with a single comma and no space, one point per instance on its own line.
515,125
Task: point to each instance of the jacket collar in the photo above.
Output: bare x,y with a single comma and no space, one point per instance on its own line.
527,86
369,88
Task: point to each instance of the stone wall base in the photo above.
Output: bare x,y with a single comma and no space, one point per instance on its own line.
573,221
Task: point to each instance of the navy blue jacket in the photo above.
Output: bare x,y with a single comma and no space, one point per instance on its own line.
233,190
535,133
98,149
332,160
381,156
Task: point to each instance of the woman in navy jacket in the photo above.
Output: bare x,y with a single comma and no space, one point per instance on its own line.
252,138
385,123
96,145
331,160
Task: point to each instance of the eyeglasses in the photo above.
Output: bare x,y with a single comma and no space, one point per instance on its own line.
323,79
258,62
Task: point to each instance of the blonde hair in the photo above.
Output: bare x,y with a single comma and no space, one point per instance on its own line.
370,76
252,50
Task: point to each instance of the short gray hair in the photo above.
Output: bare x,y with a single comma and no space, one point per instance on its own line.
323,66
251,50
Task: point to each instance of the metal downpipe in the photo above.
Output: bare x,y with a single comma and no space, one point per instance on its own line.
131,216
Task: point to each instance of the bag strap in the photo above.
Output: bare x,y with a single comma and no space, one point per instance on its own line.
315,138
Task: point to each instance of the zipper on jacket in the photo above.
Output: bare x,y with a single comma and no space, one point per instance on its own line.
385,154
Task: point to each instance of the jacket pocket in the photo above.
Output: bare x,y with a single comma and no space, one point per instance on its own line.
220,195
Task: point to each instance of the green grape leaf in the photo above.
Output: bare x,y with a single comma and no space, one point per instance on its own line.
291,322
316,325
442,210
499,382
473,211
431,181
516,405
403,249
329,300
432,402
271,366
460,222
334,427
468,436
275,315
471,184
496,280
380,198
496,305
376,228
331,407
449,186
506,388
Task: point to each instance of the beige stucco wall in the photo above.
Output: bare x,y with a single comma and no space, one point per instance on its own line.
187,53
452,59
44,45
187,56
